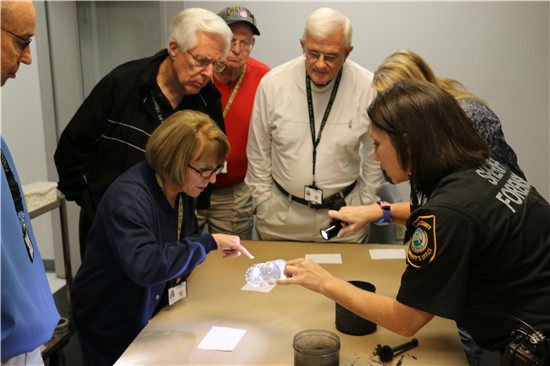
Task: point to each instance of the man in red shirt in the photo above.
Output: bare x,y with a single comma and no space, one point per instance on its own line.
231,210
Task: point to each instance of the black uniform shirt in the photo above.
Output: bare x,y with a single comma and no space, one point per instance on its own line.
480,254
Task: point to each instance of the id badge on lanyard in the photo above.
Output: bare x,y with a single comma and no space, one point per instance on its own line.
312,193
177,292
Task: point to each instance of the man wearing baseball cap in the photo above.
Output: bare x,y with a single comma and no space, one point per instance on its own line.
239,14
231,209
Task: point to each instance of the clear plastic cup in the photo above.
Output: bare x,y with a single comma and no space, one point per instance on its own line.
316,347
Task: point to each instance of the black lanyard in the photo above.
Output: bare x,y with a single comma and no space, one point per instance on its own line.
14,187
18,202
314,140
157,108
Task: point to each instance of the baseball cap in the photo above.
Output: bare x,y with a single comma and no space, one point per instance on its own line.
235,14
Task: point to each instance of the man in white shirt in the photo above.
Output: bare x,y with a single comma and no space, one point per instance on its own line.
309,147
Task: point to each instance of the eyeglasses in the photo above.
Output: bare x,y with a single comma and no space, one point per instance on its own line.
315,56
207,173
26,42
204,62
244,45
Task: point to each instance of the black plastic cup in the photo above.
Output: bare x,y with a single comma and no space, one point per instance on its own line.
350,323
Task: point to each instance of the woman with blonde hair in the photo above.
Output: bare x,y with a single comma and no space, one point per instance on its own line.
406,64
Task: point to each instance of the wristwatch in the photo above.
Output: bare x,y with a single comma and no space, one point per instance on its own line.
386,211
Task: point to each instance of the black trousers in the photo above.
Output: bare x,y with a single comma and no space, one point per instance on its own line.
84,226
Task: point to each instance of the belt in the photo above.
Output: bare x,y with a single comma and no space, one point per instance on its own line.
328,203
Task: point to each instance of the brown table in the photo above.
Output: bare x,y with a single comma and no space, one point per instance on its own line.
272,319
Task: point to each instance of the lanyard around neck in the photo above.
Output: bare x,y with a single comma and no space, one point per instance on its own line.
18,203
316,140
14,187
179,200
157,107
234,92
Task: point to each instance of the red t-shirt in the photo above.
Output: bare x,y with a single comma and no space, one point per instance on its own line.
237,120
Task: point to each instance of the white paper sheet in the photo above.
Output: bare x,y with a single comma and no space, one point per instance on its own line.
222,339
266,288
376,254
325,258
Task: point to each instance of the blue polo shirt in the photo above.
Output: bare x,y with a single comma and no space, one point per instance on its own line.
29,315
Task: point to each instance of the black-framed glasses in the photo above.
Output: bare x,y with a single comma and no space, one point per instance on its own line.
207,173
26,42
243,44
315,56
204,62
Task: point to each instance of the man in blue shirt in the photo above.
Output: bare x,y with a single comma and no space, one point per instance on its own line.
29,315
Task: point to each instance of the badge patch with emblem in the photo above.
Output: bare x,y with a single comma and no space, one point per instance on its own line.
423,243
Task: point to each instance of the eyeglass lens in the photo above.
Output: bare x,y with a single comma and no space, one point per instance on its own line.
244,45
26,42
315,56
207,173
204,62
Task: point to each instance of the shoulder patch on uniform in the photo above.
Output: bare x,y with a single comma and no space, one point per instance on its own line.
423,243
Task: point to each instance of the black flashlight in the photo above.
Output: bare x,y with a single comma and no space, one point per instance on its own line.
332,229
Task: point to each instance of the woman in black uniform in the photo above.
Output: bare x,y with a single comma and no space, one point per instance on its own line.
478,253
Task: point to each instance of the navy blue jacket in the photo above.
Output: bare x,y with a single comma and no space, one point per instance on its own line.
132,252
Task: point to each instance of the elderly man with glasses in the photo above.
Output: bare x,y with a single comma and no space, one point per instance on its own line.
231,210
29,315
108,133
309,148
15,47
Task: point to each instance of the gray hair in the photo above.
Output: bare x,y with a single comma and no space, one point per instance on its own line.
187,23
323,22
